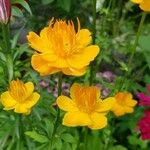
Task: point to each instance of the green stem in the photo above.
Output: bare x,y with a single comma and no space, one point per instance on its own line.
7,50
92,69
6,38
85,137
137,38
58,110
133,50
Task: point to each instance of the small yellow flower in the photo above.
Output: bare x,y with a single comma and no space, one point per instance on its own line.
123,103
60,48
19,97
85,108
143,4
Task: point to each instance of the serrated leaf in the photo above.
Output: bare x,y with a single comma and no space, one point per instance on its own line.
37,137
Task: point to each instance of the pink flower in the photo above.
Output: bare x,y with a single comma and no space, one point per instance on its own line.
5,11
144,99
144,125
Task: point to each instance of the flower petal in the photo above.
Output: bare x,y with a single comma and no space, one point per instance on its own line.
76,119
117,109
40,65
38,43
74,72
21,108
83,37
98,121
105,105
137,1
7,101
66,104
75,88
83,58
32,100
145,5
30,87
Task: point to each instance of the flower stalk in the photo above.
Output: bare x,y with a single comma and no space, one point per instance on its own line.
58,110
92,69
133,50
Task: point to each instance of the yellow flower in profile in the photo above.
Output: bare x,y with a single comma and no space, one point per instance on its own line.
19,97
143,4
85,108
60,48
124,103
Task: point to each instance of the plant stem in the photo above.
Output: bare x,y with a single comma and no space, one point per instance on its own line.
6,37
133,50
7,50
85,137
58,110
92,69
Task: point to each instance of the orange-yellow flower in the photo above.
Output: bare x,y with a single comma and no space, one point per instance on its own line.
143,4
60,48
19,97
85,107
124,103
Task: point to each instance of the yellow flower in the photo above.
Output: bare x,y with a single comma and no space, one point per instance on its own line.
19,97
85,108
60,48
143,4
123,103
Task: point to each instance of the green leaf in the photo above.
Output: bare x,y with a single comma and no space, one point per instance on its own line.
37,137
68,138
23,3
144,42
45,2
16,12
118,147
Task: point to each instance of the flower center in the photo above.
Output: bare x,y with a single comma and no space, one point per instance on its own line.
63,38
87,99
18,90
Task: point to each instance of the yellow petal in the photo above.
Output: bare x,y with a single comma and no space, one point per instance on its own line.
128,109
75,88
40,65
66,104
118,110
83,38
131,102
74,72
30,87
76,119
98,121
32,100
21,108
105,105
83,58
7,101
145,5
137,1
38,43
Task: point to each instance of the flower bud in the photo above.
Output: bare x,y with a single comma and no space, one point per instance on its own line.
5,11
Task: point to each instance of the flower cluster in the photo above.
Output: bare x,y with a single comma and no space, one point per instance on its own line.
86,108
